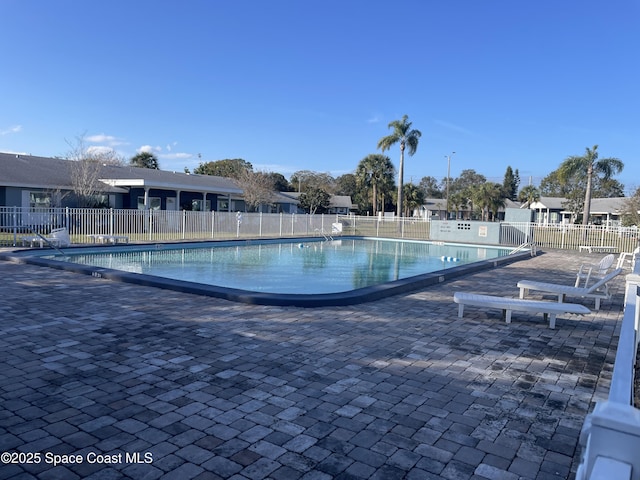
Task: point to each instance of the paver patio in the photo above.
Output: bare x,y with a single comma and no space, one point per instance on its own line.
203,388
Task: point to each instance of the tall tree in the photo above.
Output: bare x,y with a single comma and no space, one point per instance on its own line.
230,168
489,197
85,171
346,185
280,183
588,166
631,213
375,171
458,201
303,180
314,200
468,178
408,139
529,194
510,183
552,186
429,185
258,188
414,198
145,160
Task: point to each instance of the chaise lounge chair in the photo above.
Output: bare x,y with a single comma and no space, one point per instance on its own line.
594,271
597,291
549,309
630,257
59,238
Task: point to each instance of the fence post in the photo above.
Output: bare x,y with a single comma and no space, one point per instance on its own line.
213,224
150,216
280,226
260,225
15,226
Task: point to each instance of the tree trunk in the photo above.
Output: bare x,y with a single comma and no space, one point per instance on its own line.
587,196
400,180
375,200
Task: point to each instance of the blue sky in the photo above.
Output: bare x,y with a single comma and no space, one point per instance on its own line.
312,84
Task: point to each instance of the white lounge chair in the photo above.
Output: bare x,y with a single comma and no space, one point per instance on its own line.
59,238
597,291
594,271
549,309
630,257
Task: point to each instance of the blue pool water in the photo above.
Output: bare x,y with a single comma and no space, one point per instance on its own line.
291,267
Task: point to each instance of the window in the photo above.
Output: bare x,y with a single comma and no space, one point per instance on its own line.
40,200
154,203
201,205
223,205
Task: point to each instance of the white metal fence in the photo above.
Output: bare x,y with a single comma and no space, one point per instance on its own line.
156,225
167,226
610,436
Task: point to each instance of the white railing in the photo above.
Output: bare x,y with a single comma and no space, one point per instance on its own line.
416,228
166,226
610,437
569,237
155,225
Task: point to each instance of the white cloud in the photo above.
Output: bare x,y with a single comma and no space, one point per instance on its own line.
100,150
374,119
14,129
177,156
149,149
108,139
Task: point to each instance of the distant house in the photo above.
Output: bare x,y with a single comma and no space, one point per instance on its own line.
29,181
287,202
436,209
550,210
341,205
40,182
433,209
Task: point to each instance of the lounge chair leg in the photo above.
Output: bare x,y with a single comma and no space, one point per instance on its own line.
460,310
507,315
552,320
597,303
523,292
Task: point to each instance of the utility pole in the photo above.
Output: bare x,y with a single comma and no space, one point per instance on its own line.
448,157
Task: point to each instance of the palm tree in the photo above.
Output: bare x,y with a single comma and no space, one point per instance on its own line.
457,201
377,171
528,195
414,197
489,197
407,138
588,165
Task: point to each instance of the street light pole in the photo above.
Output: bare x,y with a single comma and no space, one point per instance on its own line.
448,175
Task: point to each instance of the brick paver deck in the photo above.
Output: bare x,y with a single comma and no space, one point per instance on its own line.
123,381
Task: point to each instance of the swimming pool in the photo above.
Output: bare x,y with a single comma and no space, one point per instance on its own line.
302,272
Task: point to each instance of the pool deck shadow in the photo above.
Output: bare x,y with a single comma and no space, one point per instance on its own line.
200,387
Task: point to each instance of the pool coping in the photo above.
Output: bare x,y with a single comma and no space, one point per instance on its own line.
350,297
